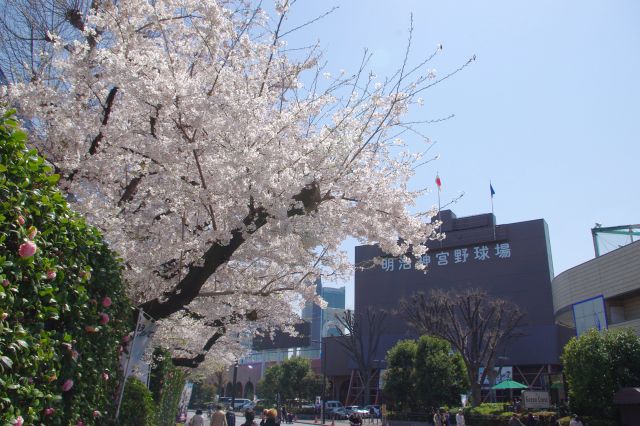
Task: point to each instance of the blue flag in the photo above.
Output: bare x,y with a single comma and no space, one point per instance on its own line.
492,191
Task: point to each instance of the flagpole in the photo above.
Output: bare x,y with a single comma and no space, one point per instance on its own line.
126,368
439,209
492,213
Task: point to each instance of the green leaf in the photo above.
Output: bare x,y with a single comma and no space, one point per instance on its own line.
6,361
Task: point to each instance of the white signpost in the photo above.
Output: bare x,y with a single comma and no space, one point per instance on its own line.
535,399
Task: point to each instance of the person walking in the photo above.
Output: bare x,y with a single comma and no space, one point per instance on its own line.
575,421
437,418
515,421
460,418
249,415
219,417
271,418
197,420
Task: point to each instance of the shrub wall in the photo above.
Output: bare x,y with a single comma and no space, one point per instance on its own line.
63,308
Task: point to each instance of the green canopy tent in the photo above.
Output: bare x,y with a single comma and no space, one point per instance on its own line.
510,384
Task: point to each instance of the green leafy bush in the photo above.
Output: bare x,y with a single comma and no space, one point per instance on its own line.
423,374
598,364
138,408
63,308
167,382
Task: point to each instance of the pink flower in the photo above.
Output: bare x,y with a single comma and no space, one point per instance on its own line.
5,283
19,421
75,355
4,316
33,231
21,220
105,376
27,249
104,318
67,346
49,411
125,339
51,274
67,385
96,413
80,423
106,302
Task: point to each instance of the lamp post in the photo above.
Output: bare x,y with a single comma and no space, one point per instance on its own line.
323,348
231,416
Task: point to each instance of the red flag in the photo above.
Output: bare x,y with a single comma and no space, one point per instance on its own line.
438,182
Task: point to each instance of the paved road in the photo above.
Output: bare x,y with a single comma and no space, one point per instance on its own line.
240,420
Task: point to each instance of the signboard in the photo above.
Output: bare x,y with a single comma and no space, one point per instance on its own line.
479,253
502,374
535,399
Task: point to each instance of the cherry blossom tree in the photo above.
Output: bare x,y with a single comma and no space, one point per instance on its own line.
225,170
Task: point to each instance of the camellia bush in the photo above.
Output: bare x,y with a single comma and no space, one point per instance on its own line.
63,308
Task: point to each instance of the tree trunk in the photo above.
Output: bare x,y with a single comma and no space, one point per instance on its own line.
476,393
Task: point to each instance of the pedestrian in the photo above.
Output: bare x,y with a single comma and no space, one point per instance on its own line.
372,414
515,421
271,418
283,412
575,421
445,418
460,418
249,415
219,418
437,418
197,420
531,421
354,419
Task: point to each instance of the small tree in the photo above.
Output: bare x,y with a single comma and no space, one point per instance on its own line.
360,336
423,374
440,374
597,364
475,324
399,384
290,379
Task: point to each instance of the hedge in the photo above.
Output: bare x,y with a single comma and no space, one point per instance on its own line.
138,407
167,382
63,308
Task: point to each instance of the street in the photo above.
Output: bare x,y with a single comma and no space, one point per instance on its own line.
240,420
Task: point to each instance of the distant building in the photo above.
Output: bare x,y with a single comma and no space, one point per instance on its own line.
267,351
603,292
509,261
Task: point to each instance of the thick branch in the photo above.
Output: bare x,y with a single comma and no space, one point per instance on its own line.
218,254
105,119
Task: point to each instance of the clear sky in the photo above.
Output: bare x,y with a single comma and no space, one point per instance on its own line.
549,112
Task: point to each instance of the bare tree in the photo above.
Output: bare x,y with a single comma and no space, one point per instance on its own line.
475,324
26,34
360,335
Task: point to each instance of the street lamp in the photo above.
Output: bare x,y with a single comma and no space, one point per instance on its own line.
323,348
231,416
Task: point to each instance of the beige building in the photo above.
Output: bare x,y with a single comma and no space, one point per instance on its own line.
602,293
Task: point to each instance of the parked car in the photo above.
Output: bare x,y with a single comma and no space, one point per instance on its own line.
338,413
241,404
330,405
358,410
376,410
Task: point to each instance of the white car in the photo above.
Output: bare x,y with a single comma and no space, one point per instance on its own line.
357,410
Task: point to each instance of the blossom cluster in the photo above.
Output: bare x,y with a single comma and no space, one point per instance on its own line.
186,118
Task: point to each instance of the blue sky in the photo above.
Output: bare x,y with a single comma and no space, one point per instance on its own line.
549,112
